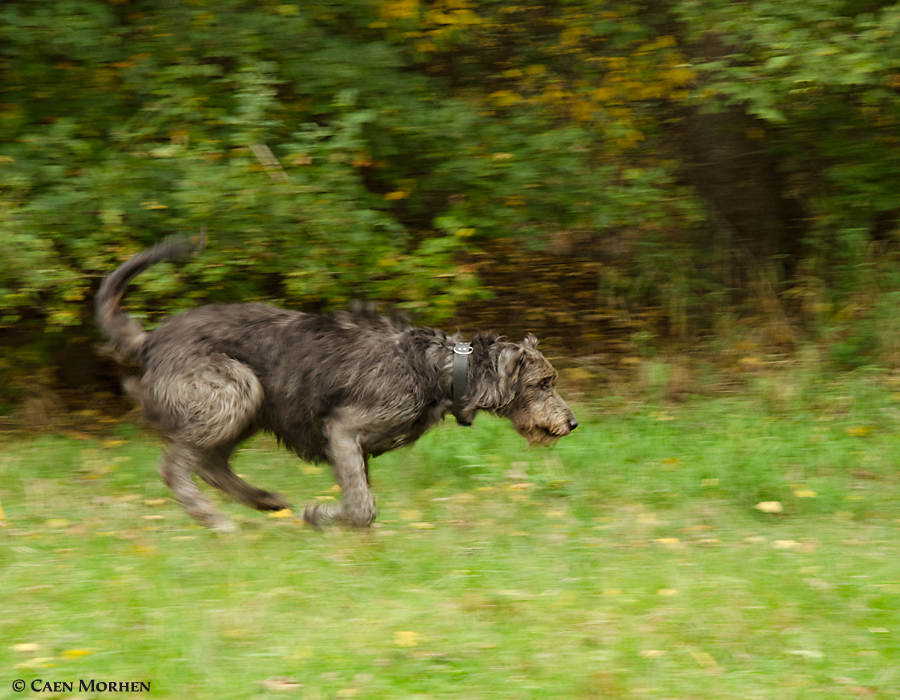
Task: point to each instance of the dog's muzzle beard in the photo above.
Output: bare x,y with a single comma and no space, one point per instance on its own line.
539,432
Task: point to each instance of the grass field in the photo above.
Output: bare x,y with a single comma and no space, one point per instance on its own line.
630,561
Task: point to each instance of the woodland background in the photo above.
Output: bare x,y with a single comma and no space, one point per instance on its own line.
625,179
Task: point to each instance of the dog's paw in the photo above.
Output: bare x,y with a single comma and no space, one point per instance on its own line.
271,501
316,515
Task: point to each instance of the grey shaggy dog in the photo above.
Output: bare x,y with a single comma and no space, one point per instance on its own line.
338,388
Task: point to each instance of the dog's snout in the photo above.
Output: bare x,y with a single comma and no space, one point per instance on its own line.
572,423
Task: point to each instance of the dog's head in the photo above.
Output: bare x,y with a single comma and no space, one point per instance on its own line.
520,384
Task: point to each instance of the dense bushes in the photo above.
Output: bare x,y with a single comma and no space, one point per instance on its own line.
693,150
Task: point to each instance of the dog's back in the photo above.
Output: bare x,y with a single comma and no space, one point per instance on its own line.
309,366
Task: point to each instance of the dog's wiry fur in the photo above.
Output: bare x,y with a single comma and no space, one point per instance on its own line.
338,388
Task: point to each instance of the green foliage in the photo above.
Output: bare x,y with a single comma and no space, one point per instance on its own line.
359,149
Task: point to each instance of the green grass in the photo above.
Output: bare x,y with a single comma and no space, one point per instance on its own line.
627,562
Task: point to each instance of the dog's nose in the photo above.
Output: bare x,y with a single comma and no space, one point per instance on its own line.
572,424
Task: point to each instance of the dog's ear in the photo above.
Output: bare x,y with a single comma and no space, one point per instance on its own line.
530,342
509,362
498,386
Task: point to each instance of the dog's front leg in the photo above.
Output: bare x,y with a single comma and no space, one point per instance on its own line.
357,507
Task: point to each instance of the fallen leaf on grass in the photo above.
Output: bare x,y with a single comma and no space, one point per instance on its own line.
156,502
704,659
805,493
652,653
859,430
280,685
864,474
75,653
463,497
406,638
422,526
769,507
42,662
56,523
26,647
283,513
785,544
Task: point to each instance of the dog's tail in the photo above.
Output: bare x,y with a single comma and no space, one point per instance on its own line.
125,333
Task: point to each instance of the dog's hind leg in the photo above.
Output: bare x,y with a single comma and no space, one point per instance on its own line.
206,403
351,470
179,462
215,471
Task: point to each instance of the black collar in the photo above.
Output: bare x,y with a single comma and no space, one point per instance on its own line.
461,352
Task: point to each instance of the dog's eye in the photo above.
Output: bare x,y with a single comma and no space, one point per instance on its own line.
546,384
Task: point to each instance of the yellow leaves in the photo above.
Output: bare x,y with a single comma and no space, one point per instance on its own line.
56,523
504,98
582,110
704,659
670,464
859,430
771,507
407,638
75,653
571,36
283,513
805,493
397,194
